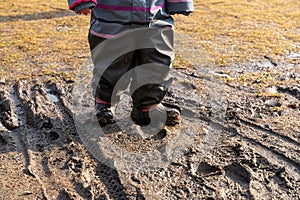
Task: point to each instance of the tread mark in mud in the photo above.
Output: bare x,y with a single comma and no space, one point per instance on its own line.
111,180
68,119
277,158
2,140
19,138
23,139
107,175
8,118
268,131
238,174
295,92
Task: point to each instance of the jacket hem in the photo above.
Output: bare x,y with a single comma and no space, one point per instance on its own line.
78,2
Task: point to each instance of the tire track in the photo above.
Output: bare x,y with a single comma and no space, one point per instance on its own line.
272,155
279,148
108,176
62,108
294,92
30,114
276,157
19,135
278,144
22,140
268,131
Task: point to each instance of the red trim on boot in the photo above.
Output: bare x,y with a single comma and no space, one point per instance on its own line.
149,108
97,100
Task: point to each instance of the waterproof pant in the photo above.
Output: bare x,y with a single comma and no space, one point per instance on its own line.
141,57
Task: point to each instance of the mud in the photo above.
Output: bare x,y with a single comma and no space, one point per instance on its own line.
256,155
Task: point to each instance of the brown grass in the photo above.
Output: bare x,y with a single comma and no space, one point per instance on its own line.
39,39
238,31
42,39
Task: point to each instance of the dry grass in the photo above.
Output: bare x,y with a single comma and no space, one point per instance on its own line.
42,39
238,31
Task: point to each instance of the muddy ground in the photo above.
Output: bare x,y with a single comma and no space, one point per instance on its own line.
237,82
255,156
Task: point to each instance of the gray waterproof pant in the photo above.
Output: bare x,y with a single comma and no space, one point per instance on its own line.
141,57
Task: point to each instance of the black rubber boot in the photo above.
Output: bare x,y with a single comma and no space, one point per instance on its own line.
103,114
141,115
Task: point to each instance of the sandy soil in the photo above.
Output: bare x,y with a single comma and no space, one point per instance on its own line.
239,137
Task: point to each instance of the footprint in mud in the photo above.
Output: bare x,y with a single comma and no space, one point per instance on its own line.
189,86
52,135
204,168
3,144
7,116
160,135
63,195
238,174
47,124
294,91
2,141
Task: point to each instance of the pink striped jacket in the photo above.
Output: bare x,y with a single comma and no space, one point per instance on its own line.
110,17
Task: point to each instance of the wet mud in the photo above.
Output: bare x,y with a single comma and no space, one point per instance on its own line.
255,155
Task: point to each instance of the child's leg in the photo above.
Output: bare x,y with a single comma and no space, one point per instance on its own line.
151,77
107,82
103,86
153,65
150,84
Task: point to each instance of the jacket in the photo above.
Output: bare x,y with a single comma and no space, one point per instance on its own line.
110,17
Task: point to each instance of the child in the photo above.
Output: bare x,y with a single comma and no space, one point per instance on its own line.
154,24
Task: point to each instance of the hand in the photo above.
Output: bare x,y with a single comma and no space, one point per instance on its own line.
85,11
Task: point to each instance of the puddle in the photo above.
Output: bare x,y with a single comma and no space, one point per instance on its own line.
294,55
53,97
